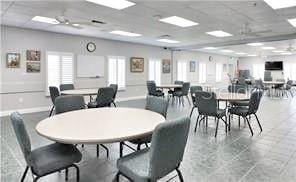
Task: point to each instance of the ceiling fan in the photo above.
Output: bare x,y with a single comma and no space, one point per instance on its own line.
247,31
77,24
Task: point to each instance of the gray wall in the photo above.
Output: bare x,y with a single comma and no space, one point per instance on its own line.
21,90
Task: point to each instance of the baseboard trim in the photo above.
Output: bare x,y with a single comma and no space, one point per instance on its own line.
47,108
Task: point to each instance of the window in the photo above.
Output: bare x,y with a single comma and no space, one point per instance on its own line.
59,69
182,71
219,72
116,71
290,71
258,71
154,70
202,72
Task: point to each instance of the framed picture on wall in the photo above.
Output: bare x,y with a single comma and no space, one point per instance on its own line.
33,55
13,60
33,67
137,64
166,66
192,66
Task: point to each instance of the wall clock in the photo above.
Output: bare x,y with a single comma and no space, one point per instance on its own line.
91,47
210,58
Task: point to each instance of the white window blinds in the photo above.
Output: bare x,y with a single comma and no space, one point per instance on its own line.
219,70
116,71
155,70
182,71
258,71
202,74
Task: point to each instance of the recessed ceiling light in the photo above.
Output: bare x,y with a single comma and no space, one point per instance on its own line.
227,50
277,51
210,48
277,4
268,48
256,44
45,20
286,53
75,24
179,21
168,41
123,33
115,4
251,55
292,22
219,33
241,53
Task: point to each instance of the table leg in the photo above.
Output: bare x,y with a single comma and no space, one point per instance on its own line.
120,149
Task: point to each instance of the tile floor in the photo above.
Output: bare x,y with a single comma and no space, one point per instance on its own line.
267,156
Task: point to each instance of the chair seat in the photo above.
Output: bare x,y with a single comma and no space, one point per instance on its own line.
145,139
135,165
239,103
92,105
221,113
241,111
53,157
178,93
158,93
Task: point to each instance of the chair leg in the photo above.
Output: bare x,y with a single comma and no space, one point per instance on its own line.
77,172
82,145
107,150
217,125
238,122
98,150
51,111
188,100
258,122
66,174
117,176
24,174
35,179
121,149
139,146
114,104
197,121
146,144
180,174
246,119
191,111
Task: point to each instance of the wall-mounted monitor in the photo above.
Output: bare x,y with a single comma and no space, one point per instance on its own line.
274,65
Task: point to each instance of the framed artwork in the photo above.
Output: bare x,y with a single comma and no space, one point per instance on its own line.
33,67
192,66
13,60
33,55
136,64
166,66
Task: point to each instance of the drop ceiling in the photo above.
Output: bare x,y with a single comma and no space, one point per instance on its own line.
143,18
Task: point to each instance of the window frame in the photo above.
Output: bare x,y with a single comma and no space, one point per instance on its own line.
186,70
125,74
199,72
154,60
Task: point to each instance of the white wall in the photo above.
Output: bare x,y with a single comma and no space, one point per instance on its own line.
21,90
248,62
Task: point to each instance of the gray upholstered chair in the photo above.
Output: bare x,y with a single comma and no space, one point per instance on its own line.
164,156
193,89
182,93
267,76
207,105
66,103
288,88
236,88
104,98
66,87
115,89
54,93
251,109
47,159
155,104
152,90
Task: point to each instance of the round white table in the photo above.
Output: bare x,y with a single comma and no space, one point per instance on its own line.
228,96
90,91
168,86
99,125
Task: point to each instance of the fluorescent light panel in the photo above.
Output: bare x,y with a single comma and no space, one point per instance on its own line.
168,41
241,53
179,21
277,51
115,4
286,53
227,50
292,22
75,24
123,33
251,55
45,20
268,48
255,44
219,33
277,4
210,48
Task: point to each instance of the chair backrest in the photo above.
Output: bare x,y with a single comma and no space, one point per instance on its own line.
105,96
167,147
267,76
115,89
66,87
185,88
254,101
206,103
193,89
289,84
157,104
66,103
177,82
21,134
234,88
54,93
151,86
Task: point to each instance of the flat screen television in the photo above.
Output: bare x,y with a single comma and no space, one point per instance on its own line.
274,65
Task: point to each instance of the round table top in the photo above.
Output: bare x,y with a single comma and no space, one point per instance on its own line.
273,82
228,96
85,91
168,86
99,125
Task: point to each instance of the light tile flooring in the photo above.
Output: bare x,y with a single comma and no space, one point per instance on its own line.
267,156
